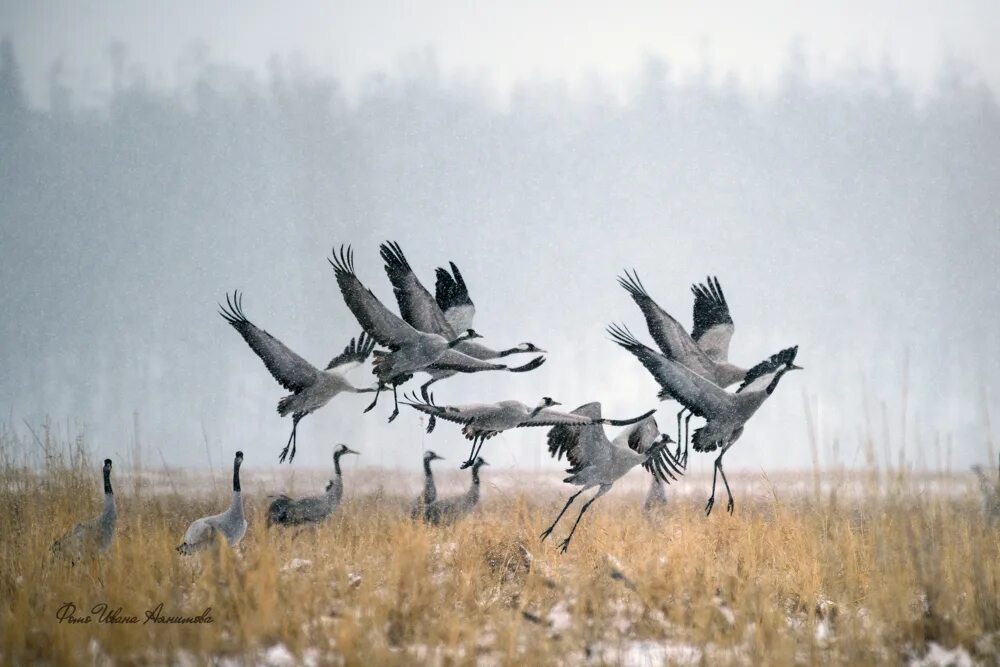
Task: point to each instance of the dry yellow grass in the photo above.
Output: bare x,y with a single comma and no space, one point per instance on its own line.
786,580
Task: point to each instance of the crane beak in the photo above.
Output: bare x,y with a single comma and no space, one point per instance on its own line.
351,451
793,367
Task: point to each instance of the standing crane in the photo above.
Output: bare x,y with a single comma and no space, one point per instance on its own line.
231,524
89,538
285,511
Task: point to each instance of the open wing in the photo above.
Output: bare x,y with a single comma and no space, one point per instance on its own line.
700,396
378,321
713,325
582,446
453,360
549,417
668,333
640,437
353,355
292,371
460,414
416,305
452,297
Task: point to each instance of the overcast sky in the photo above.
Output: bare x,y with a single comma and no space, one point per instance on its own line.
510,41
860,226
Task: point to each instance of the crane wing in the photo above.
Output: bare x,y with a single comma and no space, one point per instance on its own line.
582,446
416,305
549,417
353,355
378,321
453,360
713,325
452,297
700,396
292,371
668,333
640,437
460,414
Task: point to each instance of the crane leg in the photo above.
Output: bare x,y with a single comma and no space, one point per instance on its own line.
711,500
564,545
680,439
432,422
475,451
395,401
731,505
472,454
687,436
291,441
377,392
548,531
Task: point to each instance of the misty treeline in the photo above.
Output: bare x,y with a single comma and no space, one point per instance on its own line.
852,217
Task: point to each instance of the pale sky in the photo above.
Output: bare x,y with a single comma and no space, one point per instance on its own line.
501,43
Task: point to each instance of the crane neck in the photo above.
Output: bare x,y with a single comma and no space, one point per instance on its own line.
107,482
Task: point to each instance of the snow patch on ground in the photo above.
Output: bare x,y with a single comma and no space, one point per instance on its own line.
939,656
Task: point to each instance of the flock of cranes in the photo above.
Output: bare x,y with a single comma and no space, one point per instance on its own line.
434,335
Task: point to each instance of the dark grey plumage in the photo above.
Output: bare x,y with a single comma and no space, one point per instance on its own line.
410,350
726,413
597,461
92,537
705,350
286,511
311,387
447,511
447,313
429,493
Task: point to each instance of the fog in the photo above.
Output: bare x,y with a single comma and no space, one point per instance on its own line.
853,215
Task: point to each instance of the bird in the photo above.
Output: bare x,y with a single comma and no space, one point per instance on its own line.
482,421
656,497
449,510
989,489
429,494
311,387
597,461
726,413
705,350
231,524
287,511
448,312
89,538
411,351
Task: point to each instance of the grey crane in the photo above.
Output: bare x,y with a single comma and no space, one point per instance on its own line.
726,413
429,494
92,537
411,351
990,491
597,461
449,510
705,350
231,524
482,421
286,511
656,497
448,312
311,387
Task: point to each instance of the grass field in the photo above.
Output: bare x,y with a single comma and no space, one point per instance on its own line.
865,569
